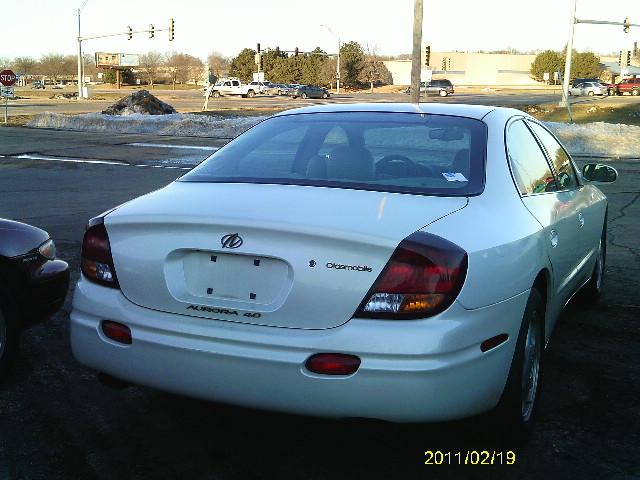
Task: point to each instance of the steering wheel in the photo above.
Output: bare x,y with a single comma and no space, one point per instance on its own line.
400,166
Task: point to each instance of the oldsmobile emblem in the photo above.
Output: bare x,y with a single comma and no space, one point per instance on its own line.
231,240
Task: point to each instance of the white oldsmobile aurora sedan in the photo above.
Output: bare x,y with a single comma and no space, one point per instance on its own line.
398,262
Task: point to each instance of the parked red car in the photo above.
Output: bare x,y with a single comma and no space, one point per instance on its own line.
627,85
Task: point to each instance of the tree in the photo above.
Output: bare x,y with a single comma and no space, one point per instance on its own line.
53,65
585,65
327,74
312,66
243,65
195,67
546,62
24,65
351,63
218,64
374,71
150,63
178,66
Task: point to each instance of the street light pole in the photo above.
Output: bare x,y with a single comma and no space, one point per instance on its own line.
80,63
79,59
415,57
338,65
567,64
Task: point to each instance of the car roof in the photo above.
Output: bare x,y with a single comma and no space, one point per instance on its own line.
455,109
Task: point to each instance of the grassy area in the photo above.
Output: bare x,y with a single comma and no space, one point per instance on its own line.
628,114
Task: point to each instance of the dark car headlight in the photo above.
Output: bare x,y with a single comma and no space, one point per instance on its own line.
48,250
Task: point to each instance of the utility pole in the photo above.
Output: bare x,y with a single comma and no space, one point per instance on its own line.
80,62
567,64
417,47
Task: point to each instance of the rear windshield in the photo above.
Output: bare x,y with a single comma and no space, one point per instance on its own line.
395,152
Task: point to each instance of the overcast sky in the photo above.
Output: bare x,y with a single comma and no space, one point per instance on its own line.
36,27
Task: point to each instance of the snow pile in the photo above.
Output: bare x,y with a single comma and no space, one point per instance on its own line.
599,139
139,102
177,124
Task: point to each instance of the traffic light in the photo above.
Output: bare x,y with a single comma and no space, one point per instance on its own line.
296,52
152,31
130,33
172,25
620,58
258,49
427,55
628,58
444,63
261,63
626,25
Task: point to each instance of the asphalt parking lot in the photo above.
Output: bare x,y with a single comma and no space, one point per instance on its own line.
58,421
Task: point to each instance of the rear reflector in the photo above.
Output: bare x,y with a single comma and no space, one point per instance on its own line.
117,332
333,364
493,342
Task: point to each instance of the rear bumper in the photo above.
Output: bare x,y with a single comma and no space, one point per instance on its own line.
425,370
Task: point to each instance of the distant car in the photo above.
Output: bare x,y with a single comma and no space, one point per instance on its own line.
577,81
33,283
259,87
441,87
627,85
589,88
310,91
58,86
38,84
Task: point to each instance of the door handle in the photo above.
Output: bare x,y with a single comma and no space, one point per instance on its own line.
581,219
553,238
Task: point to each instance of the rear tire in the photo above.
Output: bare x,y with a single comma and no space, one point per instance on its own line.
9,333
635,92
516,410
325,95
251,94
304,95
443,93
591,93
216,94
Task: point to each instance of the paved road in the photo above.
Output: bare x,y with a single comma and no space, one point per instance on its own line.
58,422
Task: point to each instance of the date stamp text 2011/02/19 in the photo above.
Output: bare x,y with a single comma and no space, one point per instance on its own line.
470,457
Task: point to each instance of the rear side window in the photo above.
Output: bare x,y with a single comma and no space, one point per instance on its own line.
567,178
529,165
394,152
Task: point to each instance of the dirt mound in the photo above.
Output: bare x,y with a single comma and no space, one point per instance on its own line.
139,102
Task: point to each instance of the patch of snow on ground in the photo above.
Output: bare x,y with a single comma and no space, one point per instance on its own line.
178,124
599,138
588,139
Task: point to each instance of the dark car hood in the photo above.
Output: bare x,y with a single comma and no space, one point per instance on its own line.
19,238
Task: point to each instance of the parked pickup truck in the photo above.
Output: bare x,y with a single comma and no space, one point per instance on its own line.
628,85
231,86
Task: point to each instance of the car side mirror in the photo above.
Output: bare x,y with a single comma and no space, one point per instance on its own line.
597,172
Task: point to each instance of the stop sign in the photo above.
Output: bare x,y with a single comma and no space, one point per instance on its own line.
7,78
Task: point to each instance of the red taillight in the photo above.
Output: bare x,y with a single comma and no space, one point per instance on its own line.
117,331
97,263
422,278
333,364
